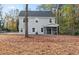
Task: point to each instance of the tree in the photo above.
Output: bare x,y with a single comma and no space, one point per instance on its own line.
67,20
13,19
17,18
1,8
26,21
45,7
76,19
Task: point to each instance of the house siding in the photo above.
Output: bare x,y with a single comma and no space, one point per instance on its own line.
42,21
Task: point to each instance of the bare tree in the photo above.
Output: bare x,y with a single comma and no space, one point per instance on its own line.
14,15
17,18
1,7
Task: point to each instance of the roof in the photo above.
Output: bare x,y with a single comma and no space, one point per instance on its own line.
37,13
52,25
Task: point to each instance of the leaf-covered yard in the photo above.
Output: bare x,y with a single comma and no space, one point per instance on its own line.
45,45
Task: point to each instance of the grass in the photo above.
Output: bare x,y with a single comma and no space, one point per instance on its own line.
39,45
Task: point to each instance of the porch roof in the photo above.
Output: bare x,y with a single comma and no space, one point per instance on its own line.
52,25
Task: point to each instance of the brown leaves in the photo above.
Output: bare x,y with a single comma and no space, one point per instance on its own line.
52,44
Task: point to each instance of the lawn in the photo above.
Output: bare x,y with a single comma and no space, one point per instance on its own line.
39,45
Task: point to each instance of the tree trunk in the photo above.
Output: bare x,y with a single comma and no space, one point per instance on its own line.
26,21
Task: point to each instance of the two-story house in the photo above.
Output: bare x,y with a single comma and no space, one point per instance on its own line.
41,22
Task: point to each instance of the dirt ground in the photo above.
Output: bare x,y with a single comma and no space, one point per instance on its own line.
39,45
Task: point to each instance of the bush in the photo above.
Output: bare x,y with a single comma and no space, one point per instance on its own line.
77,33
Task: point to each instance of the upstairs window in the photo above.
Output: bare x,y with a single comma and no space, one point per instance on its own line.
24,20
50,20
36,21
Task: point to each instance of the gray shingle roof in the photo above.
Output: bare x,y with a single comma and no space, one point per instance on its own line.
37,13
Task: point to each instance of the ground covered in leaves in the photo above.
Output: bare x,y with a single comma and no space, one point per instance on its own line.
39,45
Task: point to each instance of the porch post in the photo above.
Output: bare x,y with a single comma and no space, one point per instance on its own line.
57,30
44,30
51,31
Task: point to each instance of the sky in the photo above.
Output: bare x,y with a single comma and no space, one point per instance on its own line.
33,6
8,7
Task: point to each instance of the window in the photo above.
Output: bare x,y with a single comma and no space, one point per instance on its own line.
41,29
36,21
21,30
50,20
24,20
33,29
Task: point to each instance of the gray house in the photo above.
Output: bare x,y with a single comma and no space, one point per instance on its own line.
41,22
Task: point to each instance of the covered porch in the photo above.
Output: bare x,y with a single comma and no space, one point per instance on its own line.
51,29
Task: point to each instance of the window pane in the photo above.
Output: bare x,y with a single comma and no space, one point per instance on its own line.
41,29
24,20
36,21
50,20
21,30
33,29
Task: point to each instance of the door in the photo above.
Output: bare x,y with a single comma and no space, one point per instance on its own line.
48,30
54,29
